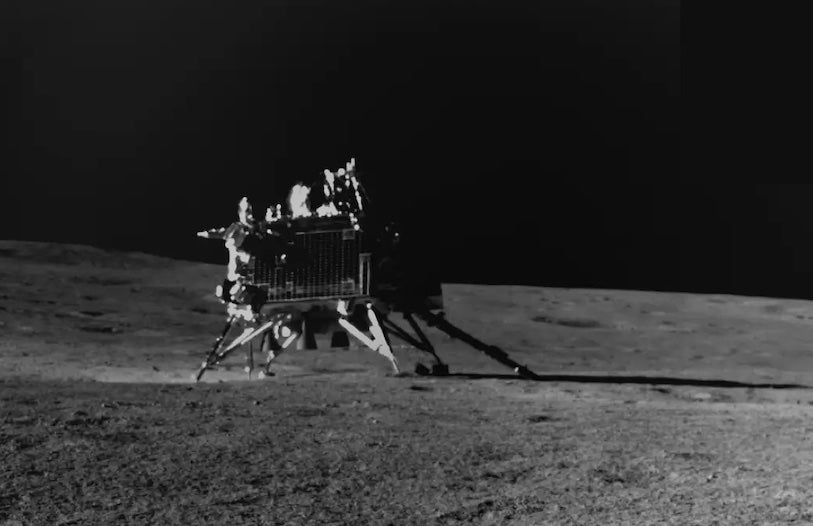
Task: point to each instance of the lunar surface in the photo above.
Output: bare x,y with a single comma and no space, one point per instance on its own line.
652,408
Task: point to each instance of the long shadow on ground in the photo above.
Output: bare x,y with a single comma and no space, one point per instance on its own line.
646,380
523,373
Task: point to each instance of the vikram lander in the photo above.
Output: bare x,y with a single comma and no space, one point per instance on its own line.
325,265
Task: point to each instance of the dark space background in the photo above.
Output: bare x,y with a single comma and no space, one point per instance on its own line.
520,142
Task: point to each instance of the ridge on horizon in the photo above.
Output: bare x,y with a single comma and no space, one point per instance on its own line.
8,245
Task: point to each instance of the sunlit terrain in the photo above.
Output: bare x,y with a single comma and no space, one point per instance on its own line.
653,408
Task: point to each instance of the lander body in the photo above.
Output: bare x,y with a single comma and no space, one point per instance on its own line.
324,265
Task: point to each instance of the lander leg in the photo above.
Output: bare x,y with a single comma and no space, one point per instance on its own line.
272,345
216,355
210,358
492,351
419,341
379,341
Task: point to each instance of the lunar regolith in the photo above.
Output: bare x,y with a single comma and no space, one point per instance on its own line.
654,408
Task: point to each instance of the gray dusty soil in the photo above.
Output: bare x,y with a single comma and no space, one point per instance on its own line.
655,408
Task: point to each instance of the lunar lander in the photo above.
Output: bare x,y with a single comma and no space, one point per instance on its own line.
323,266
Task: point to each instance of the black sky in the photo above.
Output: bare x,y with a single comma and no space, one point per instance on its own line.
526,142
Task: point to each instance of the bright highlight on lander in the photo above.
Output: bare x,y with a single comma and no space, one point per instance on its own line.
305,271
